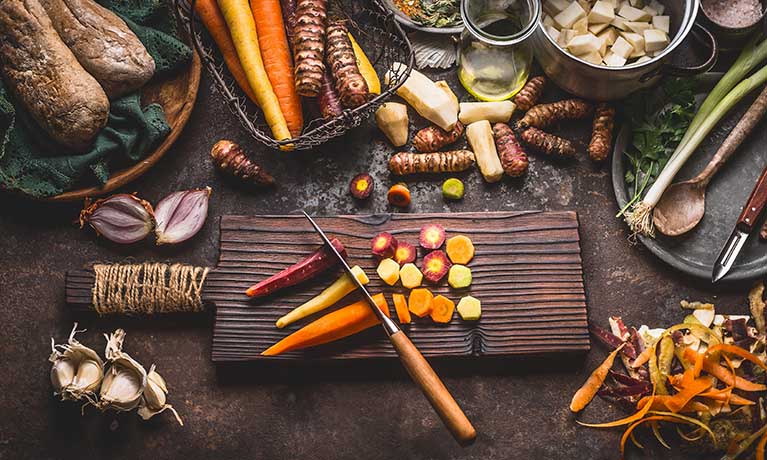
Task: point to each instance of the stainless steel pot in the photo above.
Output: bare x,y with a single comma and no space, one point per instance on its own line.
603,83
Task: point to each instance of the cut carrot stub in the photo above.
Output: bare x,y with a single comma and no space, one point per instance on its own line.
411,276
442,310
400,305
421,302
388,270
460,249
341,323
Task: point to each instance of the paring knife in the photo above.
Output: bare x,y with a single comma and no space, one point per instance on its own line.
419,369
743,228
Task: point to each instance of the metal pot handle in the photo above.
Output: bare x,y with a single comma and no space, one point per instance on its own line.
682,71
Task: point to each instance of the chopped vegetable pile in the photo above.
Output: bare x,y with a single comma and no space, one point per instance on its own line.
705,375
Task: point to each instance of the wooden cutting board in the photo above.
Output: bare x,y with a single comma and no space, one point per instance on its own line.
527,273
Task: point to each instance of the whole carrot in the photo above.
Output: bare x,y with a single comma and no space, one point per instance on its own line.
242,26
586,393
275,53
341,323
214,21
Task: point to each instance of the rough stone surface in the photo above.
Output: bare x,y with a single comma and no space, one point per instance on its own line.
350,411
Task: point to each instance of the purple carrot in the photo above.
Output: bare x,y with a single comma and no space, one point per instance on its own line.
330,104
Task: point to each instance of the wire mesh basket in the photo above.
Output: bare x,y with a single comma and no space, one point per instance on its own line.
377,32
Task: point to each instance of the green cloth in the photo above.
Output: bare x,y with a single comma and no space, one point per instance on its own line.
33,164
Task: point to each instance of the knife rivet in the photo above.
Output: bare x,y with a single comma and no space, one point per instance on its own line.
748,220
753,209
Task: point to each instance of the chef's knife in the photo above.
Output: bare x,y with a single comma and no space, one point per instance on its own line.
743,228
417,366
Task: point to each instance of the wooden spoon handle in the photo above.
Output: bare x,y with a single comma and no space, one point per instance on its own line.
434,390
741,130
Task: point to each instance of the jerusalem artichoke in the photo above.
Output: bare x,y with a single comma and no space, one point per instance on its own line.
392,120
546,143
309,45
494,112
428,99
544,115
433,138
437,162
602,132
513,157
528,96
480,137
229,158
350,84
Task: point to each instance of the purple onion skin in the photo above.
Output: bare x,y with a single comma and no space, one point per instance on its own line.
181,215
122,219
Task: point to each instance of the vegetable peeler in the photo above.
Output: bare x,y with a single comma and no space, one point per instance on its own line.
419,369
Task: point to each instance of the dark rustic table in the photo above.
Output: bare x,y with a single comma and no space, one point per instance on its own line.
367,410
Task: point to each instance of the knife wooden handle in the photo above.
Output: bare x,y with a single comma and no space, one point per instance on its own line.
755,204
434,390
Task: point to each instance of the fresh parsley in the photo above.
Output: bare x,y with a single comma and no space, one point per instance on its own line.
659,120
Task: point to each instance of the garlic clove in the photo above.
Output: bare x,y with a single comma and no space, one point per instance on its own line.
154,400
77,370
124,381
122,218
181,215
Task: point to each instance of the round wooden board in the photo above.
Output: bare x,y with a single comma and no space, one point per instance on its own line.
176,95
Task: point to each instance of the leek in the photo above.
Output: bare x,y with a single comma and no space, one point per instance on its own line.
640,217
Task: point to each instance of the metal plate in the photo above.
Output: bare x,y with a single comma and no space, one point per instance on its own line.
405,20
694,253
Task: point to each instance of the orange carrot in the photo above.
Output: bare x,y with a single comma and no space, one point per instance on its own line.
275,53
760,447
691,388
723,374
660,402
737,351
400,304
586,393
214,21
421,302
727,396
443,308
341,323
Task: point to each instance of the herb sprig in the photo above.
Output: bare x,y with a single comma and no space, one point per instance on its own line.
659,120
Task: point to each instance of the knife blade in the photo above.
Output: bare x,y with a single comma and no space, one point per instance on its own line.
743,228
416,365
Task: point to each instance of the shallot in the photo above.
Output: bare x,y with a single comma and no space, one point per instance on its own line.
122,218
181,215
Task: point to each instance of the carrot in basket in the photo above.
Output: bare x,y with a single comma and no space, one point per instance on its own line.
241,25
341,323
275,53
214,21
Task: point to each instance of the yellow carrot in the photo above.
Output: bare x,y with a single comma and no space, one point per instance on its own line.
366,68
242,27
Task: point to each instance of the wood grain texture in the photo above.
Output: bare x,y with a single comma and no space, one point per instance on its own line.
527,273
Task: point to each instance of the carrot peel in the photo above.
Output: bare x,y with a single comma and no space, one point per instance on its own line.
586,393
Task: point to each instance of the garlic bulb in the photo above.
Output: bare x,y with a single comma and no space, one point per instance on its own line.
155,397
77,370
124,380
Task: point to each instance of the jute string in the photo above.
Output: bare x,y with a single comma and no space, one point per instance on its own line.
148,288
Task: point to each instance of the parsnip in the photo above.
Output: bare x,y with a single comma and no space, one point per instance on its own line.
480,137
494,112
428,99
392,120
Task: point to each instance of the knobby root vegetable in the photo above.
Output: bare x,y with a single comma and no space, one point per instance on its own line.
242,26
586,393
513,157
445,87
545,115
602,132
528,96
433,138
309,45
480,137
366,68
428,99
214,21
230,158
393,121
404,163
330,105
341,323
277,60
494,112
548,144
350,84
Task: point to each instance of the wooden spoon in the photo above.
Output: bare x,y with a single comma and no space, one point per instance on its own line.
683,204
